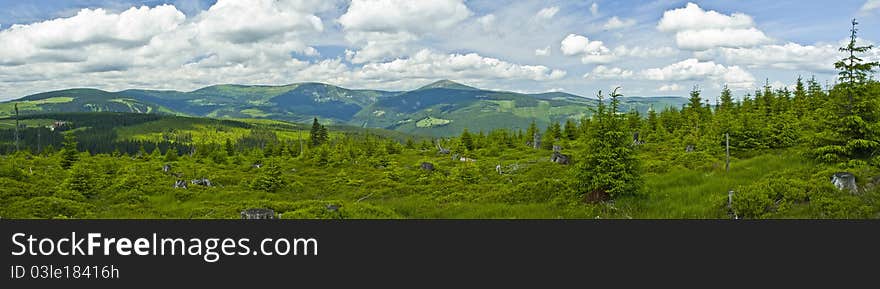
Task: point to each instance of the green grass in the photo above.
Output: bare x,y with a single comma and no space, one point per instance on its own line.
429,122
30,106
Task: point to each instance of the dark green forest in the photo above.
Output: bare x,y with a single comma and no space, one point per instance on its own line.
808,152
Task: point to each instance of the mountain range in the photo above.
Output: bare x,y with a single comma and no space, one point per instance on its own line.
441,108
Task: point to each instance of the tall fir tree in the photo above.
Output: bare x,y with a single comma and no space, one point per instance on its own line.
318,135
69,153
609,168
467,141
851,132
570,130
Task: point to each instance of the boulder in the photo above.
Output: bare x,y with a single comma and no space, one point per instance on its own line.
689,148
427,166
560,158
332,208
166,168
258,214
202,182
845,181
180,184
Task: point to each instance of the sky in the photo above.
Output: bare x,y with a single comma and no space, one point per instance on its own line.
648,48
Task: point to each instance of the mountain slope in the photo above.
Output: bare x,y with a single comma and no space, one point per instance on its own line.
442,108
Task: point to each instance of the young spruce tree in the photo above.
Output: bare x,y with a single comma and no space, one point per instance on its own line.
609,168
851,131
69,154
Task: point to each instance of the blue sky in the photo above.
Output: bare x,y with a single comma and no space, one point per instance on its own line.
649,48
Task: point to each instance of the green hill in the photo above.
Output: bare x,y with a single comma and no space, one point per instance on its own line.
458,105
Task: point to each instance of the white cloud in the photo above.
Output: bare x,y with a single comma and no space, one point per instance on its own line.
427,64
385,28
697,29
670,87
790,56
543,51
694,70
394,16
594,9
487,22
617,23
590,51
644,52
68,40
603,72
253,21
870,5
547,13
711,38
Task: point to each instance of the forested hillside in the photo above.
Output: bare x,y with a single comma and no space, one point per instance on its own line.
442,108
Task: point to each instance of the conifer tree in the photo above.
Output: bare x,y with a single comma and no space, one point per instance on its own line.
467,140
532,130
851,131
318,134
726,99
69,153
609,168
570,129
555,130
171,154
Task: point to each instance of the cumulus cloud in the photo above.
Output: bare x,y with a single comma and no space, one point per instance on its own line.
603,72
595,52
644,52
870,5
68,39
698,29
790,56
547,13
542,51
695,70
253,21
384,28
617,23
427,64
670,87
590,51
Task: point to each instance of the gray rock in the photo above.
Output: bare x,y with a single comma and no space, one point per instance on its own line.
258,214
427,166
202,182
845,181
166,168
689,148
180,184
560,158
332,208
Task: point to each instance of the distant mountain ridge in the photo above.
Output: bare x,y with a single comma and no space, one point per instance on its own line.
441,108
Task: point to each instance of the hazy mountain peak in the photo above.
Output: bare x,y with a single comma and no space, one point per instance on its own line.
448,84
